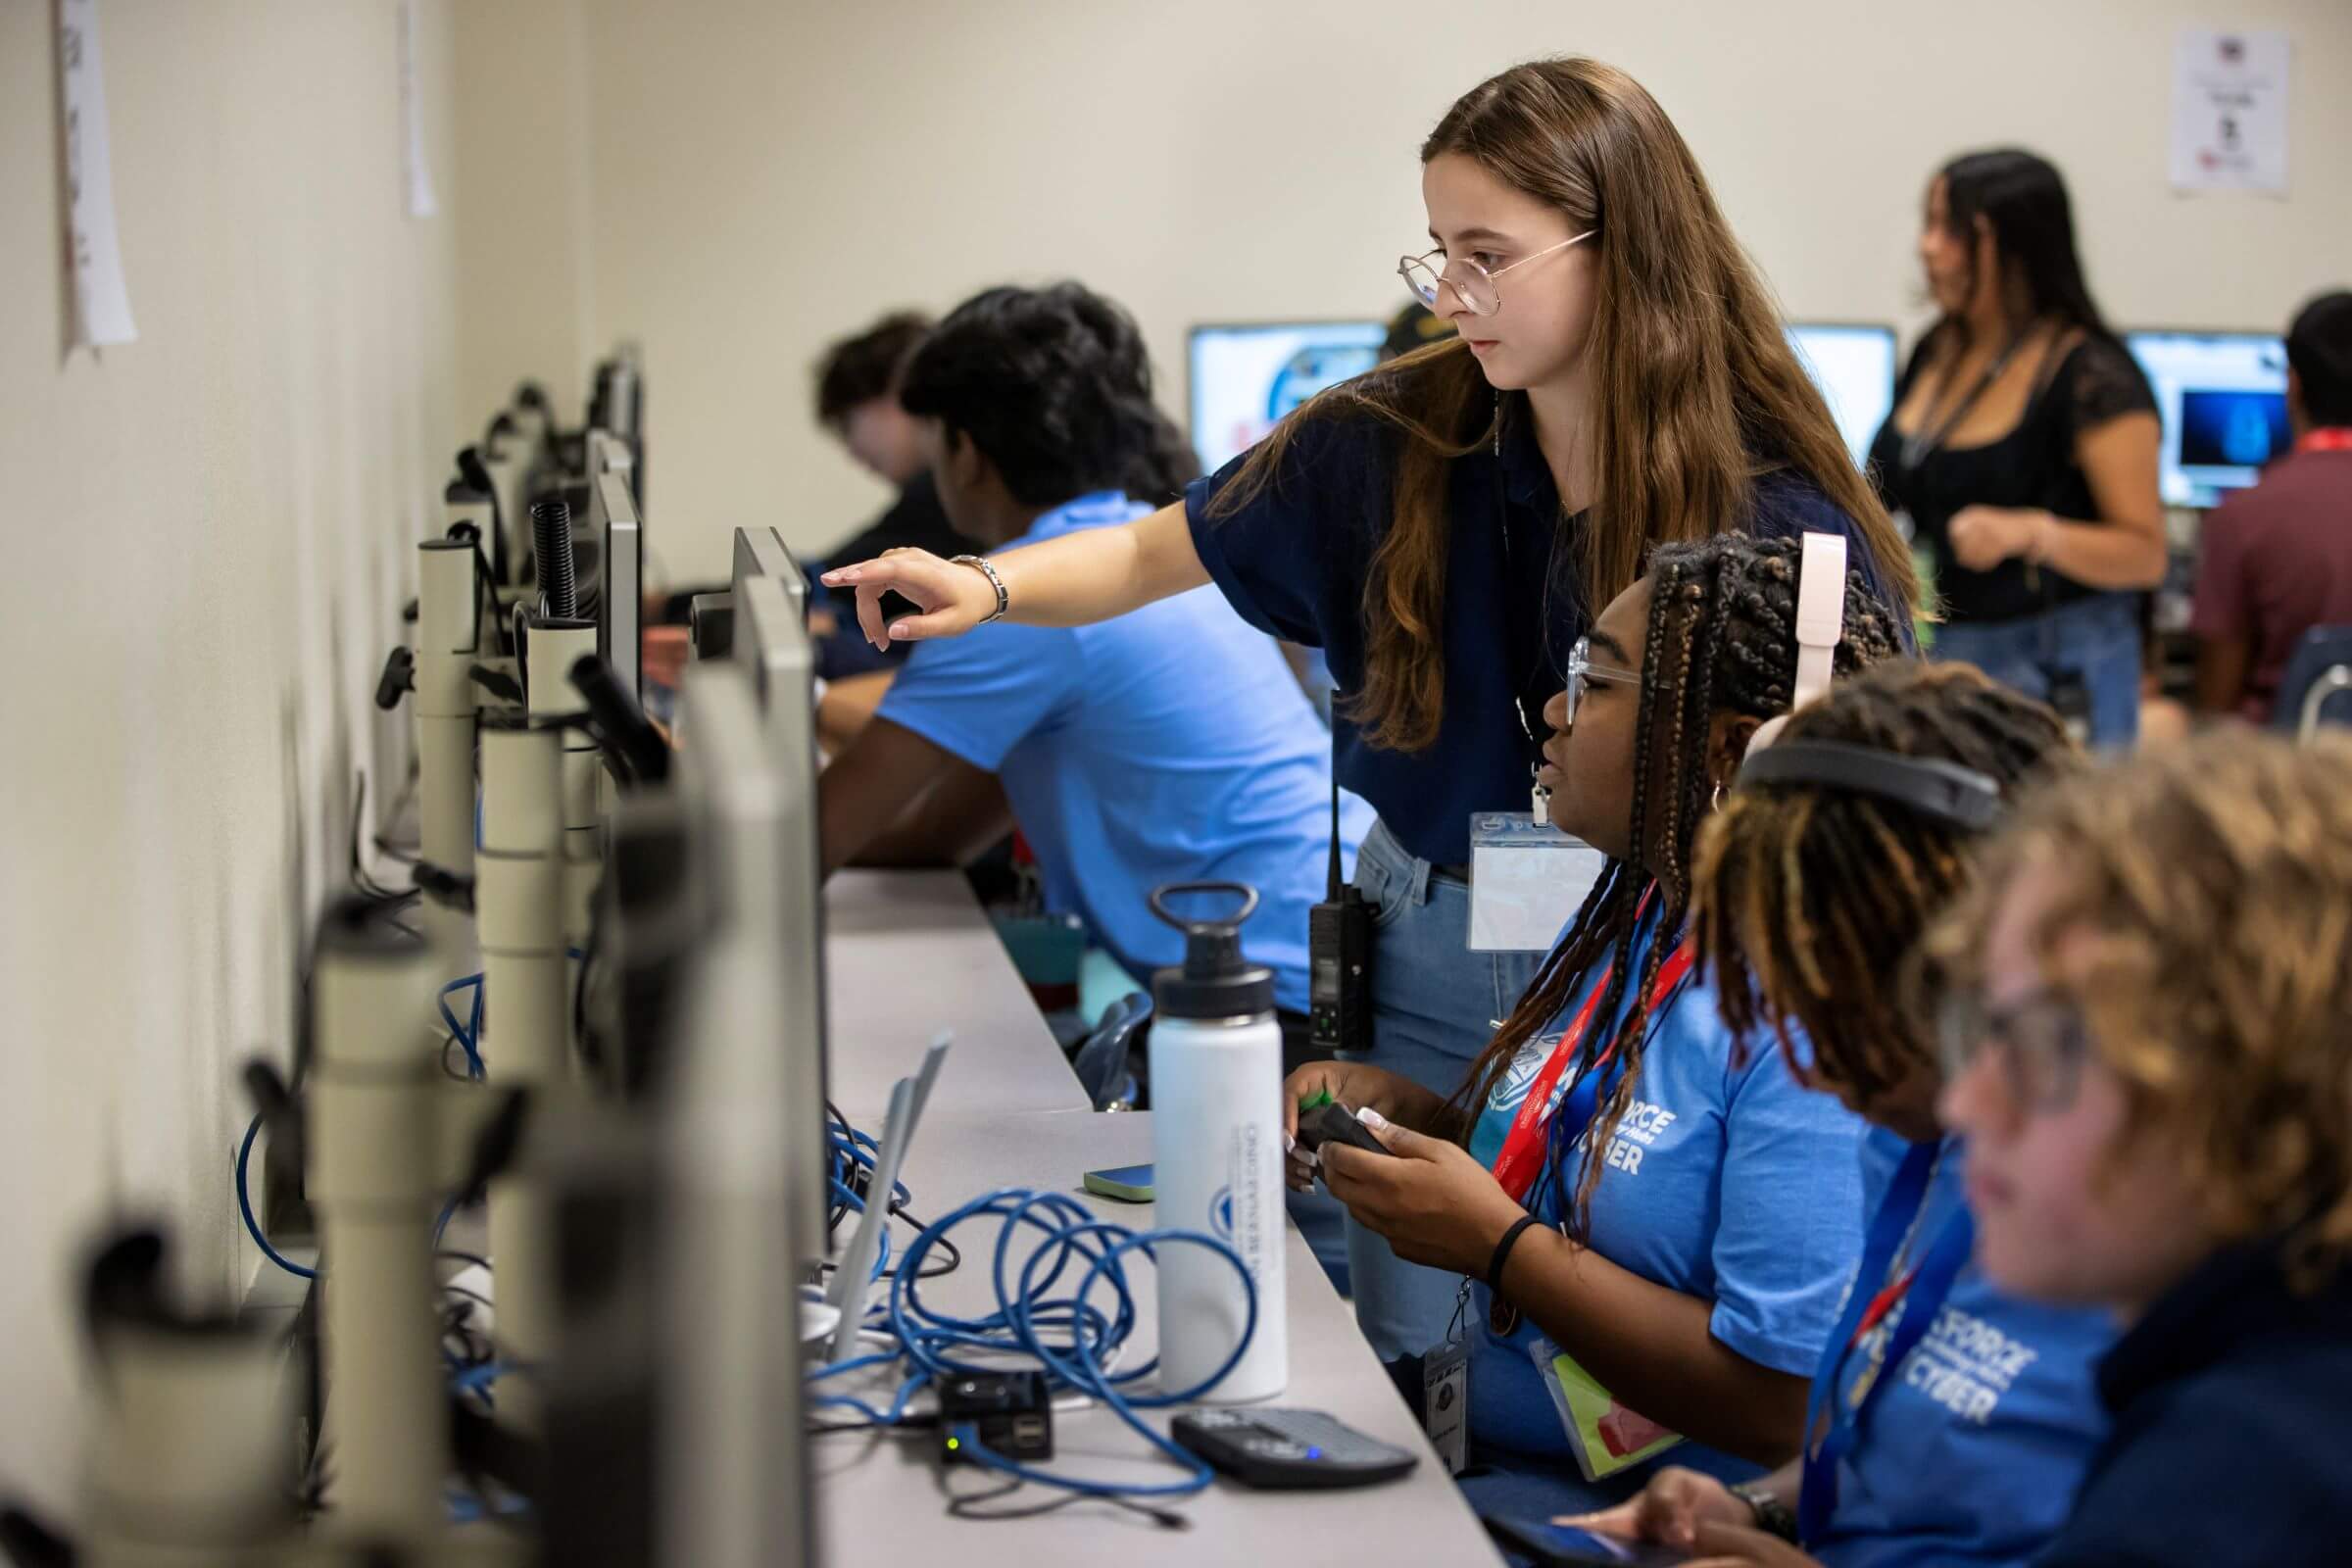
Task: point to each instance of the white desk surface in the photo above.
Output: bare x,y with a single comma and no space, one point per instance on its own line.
909,953
906,951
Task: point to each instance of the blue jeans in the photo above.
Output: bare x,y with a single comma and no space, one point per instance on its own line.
1434,1003
2096,641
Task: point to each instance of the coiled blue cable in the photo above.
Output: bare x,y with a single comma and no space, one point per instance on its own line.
468,1037
1076,1341
253,1226
855,1151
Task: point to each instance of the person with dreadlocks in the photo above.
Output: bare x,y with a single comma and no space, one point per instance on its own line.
1837,848
1652,1231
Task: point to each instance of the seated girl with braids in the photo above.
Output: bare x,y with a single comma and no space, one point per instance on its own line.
1957,1421
1652,1227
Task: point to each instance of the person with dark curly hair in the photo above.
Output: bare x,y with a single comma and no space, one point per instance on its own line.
1650,1225
1170,745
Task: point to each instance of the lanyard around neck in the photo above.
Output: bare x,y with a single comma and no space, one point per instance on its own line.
1879,1285
1535,1130
1929,437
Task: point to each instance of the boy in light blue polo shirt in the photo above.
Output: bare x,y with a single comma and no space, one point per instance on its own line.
1170,745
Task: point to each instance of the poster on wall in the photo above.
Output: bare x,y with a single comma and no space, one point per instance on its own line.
100,299
2230,111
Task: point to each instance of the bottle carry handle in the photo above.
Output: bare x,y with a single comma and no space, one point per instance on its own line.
1192,928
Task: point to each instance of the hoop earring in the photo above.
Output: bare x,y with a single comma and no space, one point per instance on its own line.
1717,800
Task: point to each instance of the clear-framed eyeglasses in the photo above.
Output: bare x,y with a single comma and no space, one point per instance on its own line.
2039,1044
1427,273
1583,672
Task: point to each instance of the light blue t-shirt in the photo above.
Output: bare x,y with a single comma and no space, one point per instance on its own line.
1170,745
1727,1180
1973,1451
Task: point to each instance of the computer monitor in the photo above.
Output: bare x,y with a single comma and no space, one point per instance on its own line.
620,535
761,553
617,403
745,1148
1246,377
2222,400
771,646
1854,367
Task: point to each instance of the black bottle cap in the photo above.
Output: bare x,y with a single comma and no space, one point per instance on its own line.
1215,981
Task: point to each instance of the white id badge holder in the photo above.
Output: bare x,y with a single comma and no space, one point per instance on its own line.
1446,1392
1527,880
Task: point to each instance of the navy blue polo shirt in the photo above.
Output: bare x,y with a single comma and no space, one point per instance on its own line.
2229,1399
1293,561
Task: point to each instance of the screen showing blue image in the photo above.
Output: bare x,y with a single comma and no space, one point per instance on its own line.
2231,429
1245,379
2223,399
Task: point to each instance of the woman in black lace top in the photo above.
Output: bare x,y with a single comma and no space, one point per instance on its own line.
2022,447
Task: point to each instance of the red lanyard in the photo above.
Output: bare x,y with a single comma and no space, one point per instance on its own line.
1883,1304
1523,1149
2328,438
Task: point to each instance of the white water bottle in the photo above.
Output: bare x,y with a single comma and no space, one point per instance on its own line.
1216,1147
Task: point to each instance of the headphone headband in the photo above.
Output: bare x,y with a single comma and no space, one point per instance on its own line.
1820,613
1955,796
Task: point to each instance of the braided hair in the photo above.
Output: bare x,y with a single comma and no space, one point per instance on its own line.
1722,640
1808,900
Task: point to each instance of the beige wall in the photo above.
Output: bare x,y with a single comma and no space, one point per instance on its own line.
764,175
522,203
206,541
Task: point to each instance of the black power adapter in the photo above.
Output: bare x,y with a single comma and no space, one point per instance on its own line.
1008,1413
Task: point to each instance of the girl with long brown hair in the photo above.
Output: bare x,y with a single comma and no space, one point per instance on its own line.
1444,526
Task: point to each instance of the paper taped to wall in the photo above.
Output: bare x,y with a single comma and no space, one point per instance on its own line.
412,119
2230,111
101,300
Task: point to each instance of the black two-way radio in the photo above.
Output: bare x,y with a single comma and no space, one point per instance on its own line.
1339,951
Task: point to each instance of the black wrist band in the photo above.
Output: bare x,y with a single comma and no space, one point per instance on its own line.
1503,1252
1773,1516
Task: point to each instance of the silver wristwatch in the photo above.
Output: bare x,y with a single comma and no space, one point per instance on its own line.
980,565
